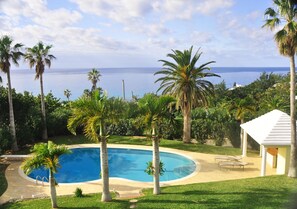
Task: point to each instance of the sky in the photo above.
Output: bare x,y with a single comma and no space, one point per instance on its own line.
138,33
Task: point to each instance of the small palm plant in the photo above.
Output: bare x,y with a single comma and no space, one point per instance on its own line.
46,155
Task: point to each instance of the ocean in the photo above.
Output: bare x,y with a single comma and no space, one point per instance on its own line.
138,81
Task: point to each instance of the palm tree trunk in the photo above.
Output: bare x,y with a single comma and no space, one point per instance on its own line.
187,124
52,188
293,161
14,146
241,134
43,114
104,171
156,163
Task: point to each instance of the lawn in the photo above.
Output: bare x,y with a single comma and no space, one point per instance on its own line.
262,192
201,148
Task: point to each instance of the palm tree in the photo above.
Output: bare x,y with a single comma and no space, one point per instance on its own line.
154,109
94,113
93,76
39,57
46,155
185,82
67,94
10,53
242,108
286,39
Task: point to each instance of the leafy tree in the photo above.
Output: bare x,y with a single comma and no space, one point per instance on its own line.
10,53
39,57
154,109
94,76
185,82
286,39
46,155
94,113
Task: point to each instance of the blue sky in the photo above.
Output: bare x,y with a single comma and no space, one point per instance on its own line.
137,33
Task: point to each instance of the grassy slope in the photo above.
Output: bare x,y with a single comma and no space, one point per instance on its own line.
262,192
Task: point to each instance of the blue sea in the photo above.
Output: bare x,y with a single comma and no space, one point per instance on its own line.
138,81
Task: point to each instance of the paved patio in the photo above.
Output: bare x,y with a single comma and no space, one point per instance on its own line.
21,187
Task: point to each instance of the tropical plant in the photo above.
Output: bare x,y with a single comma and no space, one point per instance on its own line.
185,82
67,94
94,114
241,109
39,57
46,155
10,53
154,109
93,76
285,13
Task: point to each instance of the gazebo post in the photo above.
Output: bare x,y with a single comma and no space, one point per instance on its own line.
244,145
263,166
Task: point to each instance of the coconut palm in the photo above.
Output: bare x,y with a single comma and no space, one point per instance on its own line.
93,76
67,94
10,53
39,57
285,14
185,82
46,155
93,113
154,109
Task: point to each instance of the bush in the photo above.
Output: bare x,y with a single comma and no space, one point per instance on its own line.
5,138
57,121
78,192
125,127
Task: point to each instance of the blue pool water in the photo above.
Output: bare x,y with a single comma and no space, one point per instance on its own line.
84,165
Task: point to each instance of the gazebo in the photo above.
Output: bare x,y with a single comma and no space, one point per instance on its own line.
271,131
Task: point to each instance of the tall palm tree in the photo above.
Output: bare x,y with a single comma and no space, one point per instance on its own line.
39,57
46,155
185,82
154,109
93,113
285,12
93,76
10,53
67,94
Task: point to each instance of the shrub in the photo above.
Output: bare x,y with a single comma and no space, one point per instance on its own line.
78,192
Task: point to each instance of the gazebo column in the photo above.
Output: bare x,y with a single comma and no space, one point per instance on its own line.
244,145
264,155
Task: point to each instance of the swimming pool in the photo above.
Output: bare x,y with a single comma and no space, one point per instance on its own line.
84,165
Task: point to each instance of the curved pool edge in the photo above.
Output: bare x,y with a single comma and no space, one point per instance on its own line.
124,146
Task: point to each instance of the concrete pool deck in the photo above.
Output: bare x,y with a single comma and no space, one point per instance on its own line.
20,187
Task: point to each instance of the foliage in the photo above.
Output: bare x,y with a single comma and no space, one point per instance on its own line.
150,170
78,192
186,83
57,121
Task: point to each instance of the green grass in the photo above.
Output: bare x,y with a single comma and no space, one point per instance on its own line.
88,201
254,193
202,148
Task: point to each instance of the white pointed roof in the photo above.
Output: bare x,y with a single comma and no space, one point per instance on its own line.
271,129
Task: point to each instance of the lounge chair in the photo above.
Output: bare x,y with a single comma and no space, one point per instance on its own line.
14,157
232,163
228,158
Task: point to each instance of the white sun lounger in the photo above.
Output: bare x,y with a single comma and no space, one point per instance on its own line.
228,158
233,164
